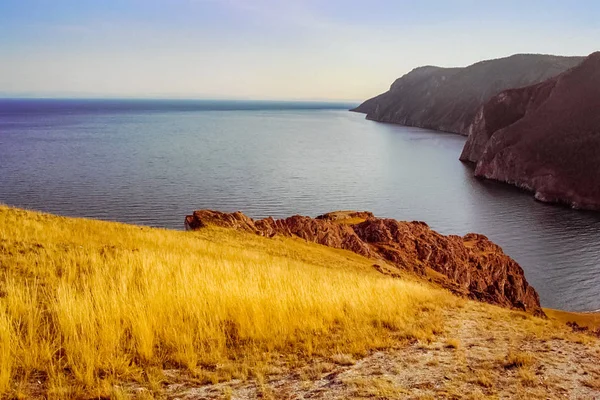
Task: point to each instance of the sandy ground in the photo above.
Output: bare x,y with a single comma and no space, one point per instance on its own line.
478,356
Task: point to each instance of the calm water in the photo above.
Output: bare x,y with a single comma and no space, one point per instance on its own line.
153,162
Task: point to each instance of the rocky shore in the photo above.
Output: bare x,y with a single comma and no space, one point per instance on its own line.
471,265
544,138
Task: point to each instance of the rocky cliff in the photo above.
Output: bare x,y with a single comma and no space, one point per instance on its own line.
544,138
471,265
447,99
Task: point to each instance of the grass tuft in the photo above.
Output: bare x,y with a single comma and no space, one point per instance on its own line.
518,359
343,359
483,379
527,377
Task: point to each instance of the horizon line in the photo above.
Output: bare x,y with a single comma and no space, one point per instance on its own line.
232,99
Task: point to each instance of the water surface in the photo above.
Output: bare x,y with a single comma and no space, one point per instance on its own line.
153,162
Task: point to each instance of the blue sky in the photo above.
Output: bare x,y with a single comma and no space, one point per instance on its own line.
267,49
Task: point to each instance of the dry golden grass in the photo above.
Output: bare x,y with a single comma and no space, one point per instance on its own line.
351,221
344,217
553,364
527,377
375,387
518,359
593,382
343,359
314,372
85,304
589,320
483,378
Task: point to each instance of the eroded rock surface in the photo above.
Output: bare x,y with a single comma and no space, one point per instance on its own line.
471,265
544,138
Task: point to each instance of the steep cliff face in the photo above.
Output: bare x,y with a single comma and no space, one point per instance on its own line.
472,265
447,99
544,138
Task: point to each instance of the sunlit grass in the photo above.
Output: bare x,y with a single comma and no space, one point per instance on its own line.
86,304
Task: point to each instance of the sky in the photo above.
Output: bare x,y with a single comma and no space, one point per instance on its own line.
268,49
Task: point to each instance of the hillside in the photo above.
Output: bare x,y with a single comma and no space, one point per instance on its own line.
92,309
544,138
470,266
447,99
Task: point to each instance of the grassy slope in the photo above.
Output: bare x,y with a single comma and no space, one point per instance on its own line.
587,320
90,308
87,304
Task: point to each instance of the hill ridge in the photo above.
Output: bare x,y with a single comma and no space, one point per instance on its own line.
447,99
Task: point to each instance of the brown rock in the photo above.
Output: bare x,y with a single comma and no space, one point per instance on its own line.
544,138
471,265
447,99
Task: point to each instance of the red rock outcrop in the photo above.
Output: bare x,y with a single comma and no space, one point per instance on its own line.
472,265
544,138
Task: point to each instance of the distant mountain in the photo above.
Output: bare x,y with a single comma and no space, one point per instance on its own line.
447,99
544,137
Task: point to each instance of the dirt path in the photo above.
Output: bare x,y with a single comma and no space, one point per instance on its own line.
505,355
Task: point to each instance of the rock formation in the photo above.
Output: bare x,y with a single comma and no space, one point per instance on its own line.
471,265
544,138
447,99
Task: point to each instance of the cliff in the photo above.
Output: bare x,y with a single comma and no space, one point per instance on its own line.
472,265
544,138
447,99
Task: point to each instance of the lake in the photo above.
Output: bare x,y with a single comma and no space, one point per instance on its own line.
152,162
